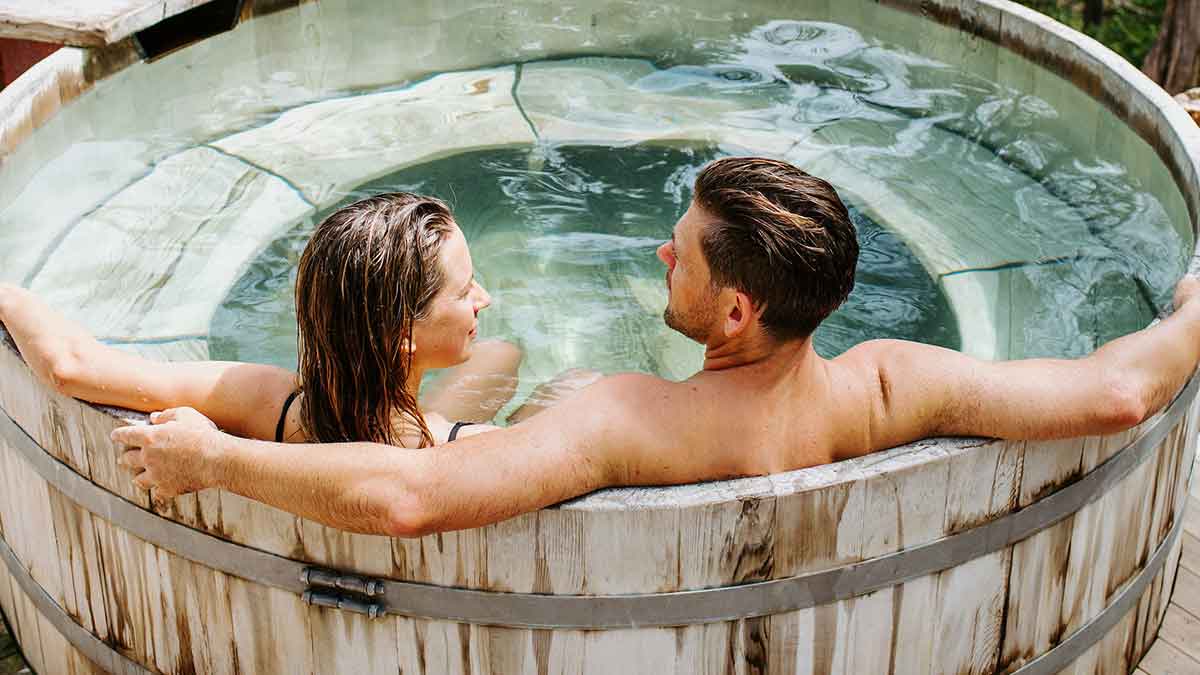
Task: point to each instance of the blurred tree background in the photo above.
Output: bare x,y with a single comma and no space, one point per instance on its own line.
1162,37
1128,27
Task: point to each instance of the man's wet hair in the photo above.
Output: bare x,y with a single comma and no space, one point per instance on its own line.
781,236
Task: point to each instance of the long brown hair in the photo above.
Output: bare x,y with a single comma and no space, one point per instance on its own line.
369,271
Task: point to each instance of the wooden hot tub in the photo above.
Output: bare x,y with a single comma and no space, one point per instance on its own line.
948,555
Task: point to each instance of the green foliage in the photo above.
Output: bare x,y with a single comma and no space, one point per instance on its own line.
1129,27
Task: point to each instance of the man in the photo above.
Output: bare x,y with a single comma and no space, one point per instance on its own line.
764,253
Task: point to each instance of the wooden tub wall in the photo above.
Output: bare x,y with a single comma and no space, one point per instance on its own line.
990,615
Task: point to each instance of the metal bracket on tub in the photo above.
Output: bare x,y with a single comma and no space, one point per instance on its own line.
347,592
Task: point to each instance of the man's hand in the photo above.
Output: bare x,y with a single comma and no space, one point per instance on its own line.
173,456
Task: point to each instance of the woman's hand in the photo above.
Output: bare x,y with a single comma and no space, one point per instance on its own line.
175,455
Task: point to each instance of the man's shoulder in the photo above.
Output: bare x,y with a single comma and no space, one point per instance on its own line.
620,385
633,383
887,352
876,347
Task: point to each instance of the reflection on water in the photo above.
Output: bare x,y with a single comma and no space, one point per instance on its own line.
568,253
1035,231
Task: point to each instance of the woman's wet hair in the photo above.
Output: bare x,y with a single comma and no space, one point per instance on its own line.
781,236
369,272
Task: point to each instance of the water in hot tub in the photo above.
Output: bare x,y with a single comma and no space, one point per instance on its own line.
566,246
978,221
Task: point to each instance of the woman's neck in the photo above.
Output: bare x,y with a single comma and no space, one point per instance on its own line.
416,373
405,425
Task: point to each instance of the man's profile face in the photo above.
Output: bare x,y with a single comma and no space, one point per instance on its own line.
691,299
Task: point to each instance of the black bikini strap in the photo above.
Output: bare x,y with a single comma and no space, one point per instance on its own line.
283,416
454,430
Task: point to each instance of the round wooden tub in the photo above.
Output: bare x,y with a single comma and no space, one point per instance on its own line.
946,555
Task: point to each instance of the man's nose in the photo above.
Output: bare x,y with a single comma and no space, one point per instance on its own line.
665,253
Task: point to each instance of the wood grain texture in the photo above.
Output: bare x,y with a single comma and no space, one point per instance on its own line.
25,624
1038,569
1090,552
9,642
1165,659
337,637
1187,591
1181,629
270,628
89,23
1190,560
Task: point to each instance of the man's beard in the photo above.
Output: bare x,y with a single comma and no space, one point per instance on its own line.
693,325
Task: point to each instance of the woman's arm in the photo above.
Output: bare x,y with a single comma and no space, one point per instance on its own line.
548,394
476,390
244,399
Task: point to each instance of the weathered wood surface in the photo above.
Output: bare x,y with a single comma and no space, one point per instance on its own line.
88,23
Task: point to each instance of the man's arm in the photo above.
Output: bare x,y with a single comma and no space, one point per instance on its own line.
939,392
606,435
243,398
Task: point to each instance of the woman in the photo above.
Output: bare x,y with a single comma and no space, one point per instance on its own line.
385,292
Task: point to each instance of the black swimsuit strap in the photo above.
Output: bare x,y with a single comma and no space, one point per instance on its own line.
283,416
454,430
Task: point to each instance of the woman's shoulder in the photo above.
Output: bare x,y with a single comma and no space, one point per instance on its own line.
291,423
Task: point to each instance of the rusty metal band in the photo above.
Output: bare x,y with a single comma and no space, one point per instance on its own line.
530,610
95,649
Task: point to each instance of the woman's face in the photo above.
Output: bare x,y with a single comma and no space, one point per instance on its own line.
444,337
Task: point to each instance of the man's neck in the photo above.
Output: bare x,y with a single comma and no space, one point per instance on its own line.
763,355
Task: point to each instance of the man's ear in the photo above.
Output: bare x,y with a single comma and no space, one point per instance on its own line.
741,315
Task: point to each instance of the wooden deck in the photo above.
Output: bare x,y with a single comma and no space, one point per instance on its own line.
1177,650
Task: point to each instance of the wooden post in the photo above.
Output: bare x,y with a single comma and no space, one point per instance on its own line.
17,56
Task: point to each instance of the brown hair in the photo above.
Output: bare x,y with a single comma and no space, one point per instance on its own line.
369,271
782,236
